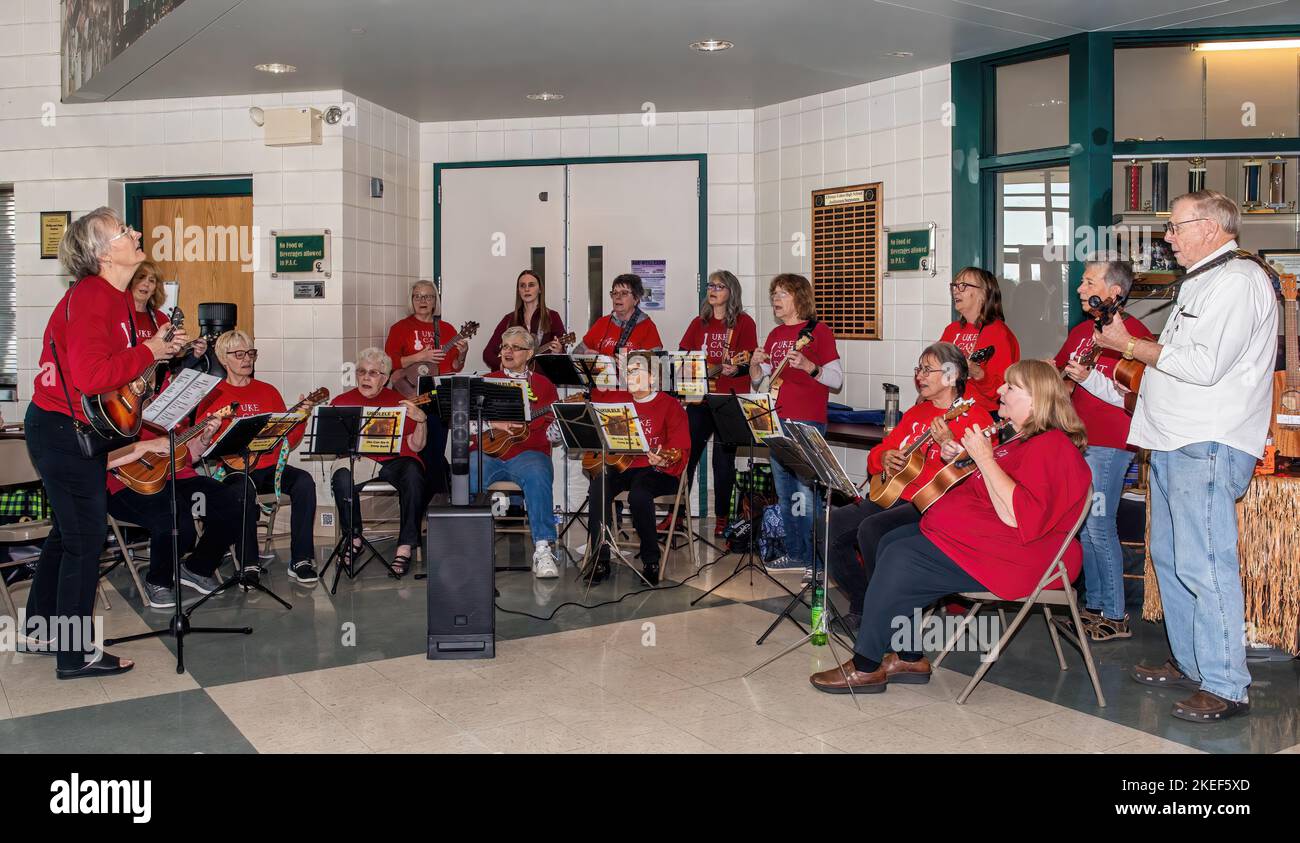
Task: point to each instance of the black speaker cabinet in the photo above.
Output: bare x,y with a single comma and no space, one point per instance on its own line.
461,583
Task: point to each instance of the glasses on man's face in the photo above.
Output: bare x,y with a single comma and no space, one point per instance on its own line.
1172,227
961,286
241,354
370,373
925,370
423,297
505,346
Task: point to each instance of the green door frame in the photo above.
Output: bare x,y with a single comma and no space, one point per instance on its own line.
1091,145
702,192
138,191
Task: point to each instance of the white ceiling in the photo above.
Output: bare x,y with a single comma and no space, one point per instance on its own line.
434,60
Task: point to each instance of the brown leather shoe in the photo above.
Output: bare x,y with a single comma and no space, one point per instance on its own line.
899,672
833,681
1167,675
1204,707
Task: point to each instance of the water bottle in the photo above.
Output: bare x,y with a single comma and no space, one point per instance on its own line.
818,622
559,517
891,407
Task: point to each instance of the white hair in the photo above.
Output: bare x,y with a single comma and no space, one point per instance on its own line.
376,356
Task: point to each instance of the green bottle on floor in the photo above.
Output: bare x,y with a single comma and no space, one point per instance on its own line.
818,622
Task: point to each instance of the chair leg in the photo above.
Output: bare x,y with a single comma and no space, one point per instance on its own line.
103,596
993,655
1056,639
957,633
270,529
1083,645
9,598
128,559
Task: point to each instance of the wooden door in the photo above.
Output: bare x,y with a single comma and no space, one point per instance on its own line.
205,243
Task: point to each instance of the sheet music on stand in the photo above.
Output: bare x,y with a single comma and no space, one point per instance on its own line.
818,453
620,428
185,392
689,375
237,438
360,431
760,415
504,399
576,371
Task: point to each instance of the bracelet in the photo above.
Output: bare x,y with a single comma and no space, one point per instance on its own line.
816,372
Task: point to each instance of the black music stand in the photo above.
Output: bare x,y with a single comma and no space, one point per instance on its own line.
804,452
179,625
570,371
236,441
582,430
336,432
733,428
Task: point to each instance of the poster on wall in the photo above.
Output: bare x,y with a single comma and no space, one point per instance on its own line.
654,275
94,32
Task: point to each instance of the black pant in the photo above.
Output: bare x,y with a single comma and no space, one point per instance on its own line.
857,528
196,497
643,485
301,490
63,588
406,476
911,573
434,456
723,460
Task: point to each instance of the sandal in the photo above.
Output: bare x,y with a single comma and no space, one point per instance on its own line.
1097,626
401,564
108,665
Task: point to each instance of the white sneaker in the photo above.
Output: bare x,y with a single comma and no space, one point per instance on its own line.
544,567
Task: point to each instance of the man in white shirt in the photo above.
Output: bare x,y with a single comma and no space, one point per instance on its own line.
1203,411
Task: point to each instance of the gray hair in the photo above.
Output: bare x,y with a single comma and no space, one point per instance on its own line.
734,303
952,360
1215,206
1119,272
86,241
520,333
376,356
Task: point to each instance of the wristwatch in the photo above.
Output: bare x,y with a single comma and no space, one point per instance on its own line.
1128,350
816,372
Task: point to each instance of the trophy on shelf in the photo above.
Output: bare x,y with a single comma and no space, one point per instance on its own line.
1277,186
1160,186
1196,174
1133,180
1251,170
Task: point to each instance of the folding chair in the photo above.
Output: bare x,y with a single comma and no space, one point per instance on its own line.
678,527
128,552
1041,596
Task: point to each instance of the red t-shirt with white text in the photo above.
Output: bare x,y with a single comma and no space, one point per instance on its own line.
411,335
543,395
915,424
1006,350
720,344
255,397
801,398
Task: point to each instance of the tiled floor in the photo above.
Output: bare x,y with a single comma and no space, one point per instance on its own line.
648,673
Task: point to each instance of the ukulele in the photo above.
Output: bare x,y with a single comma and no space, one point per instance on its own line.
120,412
774,383
406,380
953,473
1101,313
566,341
237,463
620,462
149,473
712,373
1285,426
886,489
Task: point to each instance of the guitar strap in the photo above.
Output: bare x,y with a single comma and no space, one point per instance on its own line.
1226,257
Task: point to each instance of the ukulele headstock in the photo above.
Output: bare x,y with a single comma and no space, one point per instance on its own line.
1288,284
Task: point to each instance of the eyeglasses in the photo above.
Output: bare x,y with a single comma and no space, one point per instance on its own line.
370,373
122,232
505,346
780,294
250,353
423,297
717,288
925,370
619,292
1172,227
959,286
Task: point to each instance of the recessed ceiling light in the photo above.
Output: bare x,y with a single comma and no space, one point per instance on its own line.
357,30
545,96
711,45
899,54
276,67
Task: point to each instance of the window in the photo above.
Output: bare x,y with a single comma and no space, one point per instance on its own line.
8,297
1033,104
1034,248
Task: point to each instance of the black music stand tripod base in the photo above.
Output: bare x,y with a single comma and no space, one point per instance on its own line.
179,626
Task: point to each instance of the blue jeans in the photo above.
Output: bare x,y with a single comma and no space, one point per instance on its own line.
533,472
798,527
1103,558
1194,548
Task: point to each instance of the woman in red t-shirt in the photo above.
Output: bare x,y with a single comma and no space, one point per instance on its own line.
856,529
412,342
723,330
531,314
149,297
1098,401
666,430
810,373
238,355
996,531
980,323
402,471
